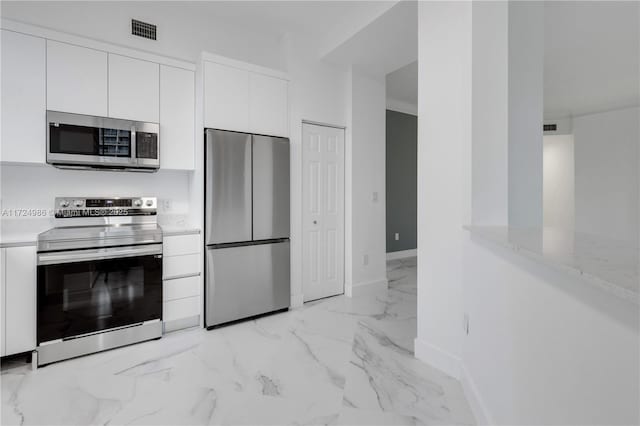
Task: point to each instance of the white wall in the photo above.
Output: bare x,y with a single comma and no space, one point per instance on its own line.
35,187
559,182
607,167
365,206
184,29
490,105
317,92
545,347
526,63
444,177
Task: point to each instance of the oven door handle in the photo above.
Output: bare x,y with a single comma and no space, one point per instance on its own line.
98,254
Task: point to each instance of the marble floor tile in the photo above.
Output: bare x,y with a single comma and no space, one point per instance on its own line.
337,361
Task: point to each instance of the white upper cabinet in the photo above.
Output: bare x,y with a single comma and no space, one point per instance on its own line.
226,97
268,111
245,100
23,129
76,79
20,299
134,89
177,122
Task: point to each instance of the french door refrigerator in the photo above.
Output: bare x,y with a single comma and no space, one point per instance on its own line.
247,268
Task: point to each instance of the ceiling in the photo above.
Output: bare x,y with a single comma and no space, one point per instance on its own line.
386,44
309,18
402,84
591,57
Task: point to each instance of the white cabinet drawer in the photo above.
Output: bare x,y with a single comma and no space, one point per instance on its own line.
180,266
177,245
181,288
181,308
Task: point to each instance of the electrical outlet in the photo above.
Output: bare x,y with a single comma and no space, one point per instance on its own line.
375,197
365,260
466,323
167,205
397,236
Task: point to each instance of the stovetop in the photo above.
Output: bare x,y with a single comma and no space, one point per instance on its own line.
94,222
80,237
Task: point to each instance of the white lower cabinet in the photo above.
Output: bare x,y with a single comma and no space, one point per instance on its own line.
182,282
19,299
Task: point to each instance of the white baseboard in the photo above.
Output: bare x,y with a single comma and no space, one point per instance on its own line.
438,358
360,288
297,300
478,407
402,254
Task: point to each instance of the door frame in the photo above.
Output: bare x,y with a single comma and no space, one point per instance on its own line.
344,201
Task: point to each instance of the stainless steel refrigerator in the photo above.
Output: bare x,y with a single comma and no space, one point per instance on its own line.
247,269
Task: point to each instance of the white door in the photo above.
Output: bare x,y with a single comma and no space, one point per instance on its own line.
323,211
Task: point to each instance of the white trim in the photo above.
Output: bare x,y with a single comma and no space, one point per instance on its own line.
20,27
402,106
478,407
222,60
402,254
366,287
438,358
297,300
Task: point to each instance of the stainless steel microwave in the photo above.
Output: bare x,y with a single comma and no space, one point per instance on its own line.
83,142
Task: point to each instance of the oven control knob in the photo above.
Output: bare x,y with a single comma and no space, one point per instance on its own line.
137,203
64,204
149,203
78,203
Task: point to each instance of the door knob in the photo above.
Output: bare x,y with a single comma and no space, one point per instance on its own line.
315,222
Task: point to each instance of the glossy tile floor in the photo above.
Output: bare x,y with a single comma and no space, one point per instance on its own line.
335,361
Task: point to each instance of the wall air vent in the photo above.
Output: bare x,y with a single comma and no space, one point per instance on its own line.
143,29
549,127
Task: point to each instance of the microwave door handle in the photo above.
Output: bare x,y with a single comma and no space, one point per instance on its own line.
134,143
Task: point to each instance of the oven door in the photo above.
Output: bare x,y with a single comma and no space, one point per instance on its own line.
87,291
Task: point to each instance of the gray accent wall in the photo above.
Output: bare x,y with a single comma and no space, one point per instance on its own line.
402,180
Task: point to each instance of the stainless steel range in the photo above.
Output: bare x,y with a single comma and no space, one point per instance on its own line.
99,277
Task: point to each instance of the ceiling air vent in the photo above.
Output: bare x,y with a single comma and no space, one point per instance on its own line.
549,127
142,29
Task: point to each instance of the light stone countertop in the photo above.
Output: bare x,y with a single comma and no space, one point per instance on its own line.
22,232
612,265
176,224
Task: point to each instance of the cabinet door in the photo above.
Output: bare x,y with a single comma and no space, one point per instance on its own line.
177,112
20,309
76,79
23,98
268,106
226,97
134,89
